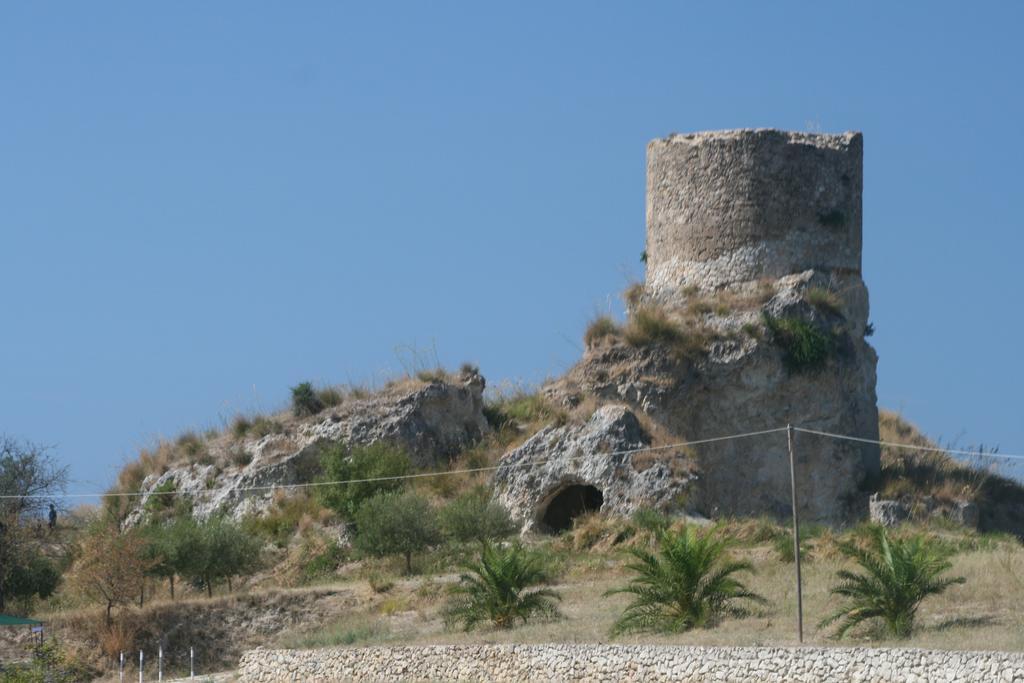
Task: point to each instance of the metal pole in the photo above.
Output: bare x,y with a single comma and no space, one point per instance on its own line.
191,662
796,537
121,669
160,664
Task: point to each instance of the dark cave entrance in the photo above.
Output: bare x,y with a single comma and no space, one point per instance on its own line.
570,503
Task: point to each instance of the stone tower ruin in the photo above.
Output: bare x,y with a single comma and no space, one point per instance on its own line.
753,248
736,206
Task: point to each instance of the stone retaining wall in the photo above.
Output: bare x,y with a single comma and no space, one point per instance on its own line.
628,662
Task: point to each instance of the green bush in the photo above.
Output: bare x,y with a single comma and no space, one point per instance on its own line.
240,426
520,408
804,346
162,498
305,401
654,521
474,517
500,588
323,563
376,461
396,523
896,575
690,583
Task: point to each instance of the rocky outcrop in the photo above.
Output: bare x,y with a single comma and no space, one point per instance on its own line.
562,472
753,316
432,421
892,512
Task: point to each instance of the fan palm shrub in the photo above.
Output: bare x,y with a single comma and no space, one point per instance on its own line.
501,588
897,575
691,582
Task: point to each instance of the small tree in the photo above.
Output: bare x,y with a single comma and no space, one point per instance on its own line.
169,546
30,480
396,524
112,567
218,550
371,466
32,577
499,588
305,402
690,583
897,575
473,516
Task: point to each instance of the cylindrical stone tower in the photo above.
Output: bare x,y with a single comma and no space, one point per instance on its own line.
734,206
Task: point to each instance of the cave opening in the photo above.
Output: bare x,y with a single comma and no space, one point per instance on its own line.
570,503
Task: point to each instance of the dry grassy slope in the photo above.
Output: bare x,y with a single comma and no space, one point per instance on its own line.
916,475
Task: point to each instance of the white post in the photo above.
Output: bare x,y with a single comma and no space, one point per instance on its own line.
140,666
121,669
796,538
191,662
160,664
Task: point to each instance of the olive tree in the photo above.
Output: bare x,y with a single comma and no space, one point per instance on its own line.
396,523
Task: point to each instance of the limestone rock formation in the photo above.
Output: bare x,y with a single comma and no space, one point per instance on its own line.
564,471
753,316
433,421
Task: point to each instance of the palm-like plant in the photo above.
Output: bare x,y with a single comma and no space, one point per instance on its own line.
690,583
497,588
898,573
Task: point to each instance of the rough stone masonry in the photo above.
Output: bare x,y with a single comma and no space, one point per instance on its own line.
746,229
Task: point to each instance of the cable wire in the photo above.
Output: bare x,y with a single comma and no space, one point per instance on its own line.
418,475
892,444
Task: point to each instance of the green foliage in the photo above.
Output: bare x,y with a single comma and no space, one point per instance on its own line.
396,523
240,426
162,498
499,588
348,631
896,575
690,583
281,522
519,409
305,401
473,516
34,576
376,461
824,300
217,550
49,664
323,563
804,346
599,329
654,521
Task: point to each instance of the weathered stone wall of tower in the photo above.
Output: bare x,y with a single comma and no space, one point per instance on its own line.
732,206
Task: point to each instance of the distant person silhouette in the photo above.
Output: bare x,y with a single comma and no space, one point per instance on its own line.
53,517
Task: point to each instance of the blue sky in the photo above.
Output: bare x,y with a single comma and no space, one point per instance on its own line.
206,203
